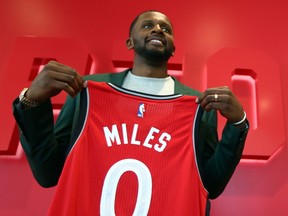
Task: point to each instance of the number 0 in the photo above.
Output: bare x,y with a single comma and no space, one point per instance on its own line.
107,202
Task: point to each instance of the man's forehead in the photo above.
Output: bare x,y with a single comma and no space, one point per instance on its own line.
153,15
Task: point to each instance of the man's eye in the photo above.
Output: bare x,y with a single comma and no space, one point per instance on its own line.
167,30
147,26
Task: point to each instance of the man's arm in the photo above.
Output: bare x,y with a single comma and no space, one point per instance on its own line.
45,146
38,141
219,159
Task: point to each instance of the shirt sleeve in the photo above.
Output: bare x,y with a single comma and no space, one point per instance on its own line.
44,145
218,159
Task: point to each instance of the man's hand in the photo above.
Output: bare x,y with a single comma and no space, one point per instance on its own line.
54,78
223,100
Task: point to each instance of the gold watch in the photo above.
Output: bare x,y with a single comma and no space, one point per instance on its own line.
24,100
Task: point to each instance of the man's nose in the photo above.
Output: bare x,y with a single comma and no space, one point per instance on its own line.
157,28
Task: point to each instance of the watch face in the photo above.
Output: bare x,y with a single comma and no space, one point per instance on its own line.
22,94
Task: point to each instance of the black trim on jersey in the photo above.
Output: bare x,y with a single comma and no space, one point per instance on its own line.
81,120
208,207
196,134
197,126
144,95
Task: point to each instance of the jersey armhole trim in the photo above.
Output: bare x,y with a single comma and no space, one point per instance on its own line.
83,113
196,129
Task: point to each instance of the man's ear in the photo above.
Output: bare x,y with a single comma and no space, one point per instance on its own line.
174,48
129,44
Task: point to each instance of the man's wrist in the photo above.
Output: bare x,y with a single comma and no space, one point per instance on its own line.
26,101
241,121
243,126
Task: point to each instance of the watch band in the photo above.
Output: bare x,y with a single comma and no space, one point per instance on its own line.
24,100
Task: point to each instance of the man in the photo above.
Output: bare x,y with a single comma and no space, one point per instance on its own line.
46,147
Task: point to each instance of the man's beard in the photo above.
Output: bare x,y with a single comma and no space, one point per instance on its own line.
153,54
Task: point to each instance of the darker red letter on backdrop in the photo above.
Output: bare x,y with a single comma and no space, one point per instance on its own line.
29,54
255,78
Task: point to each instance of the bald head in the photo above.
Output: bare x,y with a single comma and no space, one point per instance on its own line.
148,13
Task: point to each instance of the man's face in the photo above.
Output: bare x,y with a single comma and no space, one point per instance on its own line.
152,37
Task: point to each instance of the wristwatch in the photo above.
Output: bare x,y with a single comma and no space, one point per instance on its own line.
24,100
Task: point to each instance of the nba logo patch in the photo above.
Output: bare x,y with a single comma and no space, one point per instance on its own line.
141,110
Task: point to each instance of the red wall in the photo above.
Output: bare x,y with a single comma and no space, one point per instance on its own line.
241,44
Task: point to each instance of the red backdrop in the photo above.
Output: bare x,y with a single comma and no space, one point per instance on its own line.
239,44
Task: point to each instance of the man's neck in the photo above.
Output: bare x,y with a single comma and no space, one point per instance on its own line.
150,69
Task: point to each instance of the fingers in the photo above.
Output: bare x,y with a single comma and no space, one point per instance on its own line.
72,81
62,81
54,78
223,100
212,97
67,75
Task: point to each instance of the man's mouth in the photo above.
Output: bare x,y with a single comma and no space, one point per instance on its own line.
154,41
